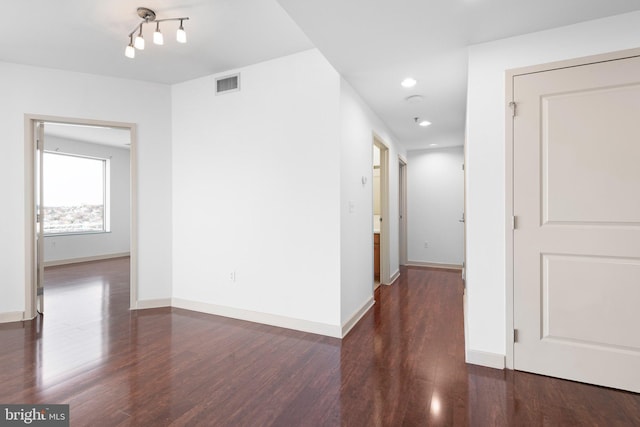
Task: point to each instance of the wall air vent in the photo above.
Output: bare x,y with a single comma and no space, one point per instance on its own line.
228,84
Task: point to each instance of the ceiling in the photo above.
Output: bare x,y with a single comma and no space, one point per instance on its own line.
374,44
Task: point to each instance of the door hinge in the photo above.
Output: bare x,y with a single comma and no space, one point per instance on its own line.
515,335
39,291
463,166
38,217
514,222
514,108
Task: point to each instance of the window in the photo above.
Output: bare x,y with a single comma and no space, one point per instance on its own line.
76,192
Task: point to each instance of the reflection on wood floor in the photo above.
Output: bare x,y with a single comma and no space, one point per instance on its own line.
403,364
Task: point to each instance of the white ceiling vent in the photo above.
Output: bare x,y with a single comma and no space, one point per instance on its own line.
228,84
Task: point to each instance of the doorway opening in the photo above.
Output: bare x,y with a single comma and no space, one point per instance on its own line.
80,196
380,213
402,210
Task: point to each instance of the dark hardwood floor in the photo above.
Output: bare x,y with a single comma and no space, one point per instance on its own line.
402,365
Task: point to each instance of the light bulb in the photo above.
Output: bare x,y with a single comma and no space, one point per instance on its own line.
157,35
158,38
421,122
139,42
181,36
130,52
408,82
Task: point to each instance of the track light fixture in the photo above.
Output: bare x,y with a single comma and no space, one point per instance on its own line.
147,16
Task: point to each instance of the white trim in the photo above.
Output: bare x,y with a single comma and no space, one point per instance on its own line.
153,303
257,317
355,318
133,219
29,209
385,230
12,316
490,360
394,277
508,229
403,218
85,259
30,250
434,265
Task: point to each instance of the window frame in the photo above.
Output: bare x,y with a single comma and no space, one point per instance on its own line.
106,196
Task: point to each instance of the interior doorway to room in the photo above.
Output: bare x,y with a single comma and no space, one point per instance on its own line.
376,216
402,211
380,213
82,198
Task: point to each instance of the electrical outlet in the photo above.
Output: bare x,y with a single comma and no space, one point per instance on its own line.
426,245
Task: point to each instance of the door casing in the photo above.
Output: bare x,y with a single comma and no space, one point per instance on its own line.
31,256
385,278
402,196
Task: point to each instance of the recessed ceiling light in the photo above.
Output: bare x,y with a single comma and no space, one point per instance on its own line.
421,122
414,99
433,145
409,82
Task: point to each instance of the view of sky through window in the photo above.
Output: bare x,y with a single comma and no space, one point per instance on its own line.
73,194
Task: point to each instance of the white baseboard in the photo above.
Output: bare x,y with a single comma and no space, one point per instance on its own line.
355,318
434,265
257,317
153,303
490,360
12,316
394,277
85,259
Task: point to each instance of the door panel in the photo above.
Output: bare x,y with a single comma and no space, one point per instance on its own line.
590,289
578,183
577,242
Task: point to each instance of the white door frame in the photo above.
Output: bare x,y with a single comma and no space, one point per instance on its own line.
402,195
510,75
385,278
30,209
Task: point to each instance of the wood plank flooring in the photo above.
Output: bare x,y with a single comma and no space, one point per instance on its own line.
402,365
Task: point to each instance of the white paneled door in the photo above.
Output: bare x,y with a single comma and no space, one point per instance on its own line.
576,243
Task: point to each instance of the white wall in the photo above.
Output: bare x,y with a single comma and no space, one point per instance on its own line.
256,183
35,90
357,126
435,202
116,241
486,156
